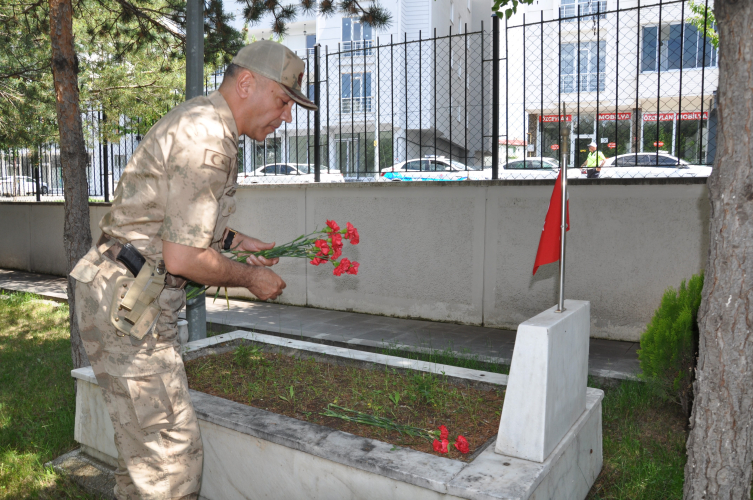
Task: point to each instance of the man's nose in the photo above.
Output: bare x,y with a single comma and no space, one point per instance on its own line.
287,112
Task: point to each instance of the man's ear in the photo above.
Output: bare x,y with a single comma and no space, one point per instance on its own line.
245,84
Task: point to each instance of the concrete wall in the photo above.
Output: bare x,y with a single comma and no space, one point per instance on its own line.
453,252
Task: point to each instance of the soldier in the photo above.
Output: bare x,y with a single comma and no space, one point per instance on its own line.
167,224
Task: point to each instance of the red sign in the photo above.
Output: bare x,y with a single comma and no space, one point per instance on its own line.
695,115
668,117
611,116
555,147
663,117
658,144
555,118
612,145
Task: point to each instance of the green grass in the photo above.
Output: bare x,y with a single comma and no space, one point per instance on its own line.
37,400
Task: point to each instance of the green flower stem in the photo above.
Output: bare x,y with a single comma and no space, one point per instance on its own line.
385,423
299,248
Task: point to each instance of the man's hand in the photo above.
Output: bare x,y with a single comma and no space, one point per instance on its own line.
266,285
249,244
209,267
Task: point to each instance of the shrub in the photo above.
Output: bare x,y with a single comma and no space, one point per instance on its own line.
669,345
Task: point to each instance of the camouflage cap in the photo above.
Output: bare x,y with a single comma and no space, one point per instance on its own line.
278,63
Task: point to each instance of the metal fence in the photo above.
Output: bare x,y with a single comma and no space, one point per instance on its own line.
511,101
639,82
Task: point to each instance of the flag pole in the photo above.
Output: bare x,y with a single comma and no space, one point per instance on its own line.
564,143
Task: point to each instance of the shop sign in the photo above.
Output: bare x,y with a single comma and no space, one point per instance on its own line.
555,147
663,117
555,118
668,117
695,115
612,145
611,116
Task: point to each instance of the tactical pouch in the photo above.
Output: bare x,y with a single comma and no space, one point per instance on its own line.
134,309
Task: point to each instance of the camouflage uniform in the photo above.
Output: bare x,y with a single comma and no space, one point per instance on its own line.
179,187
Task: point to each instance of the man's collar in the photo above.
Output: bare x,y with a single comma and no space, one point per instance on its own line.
223,109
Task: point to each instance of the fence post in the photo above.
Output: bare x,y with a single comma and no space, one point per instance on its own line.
317,118
37,183
105,162
495,97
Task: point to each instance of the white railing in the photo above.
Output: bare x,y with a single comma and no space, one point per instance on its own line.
589,82
585,10
355,105
358,48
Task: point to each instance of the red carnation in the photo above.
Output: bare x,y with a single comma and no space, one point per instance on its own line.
443,432
353,269
316,261
351,233
322,246
342,267
462,445
337,240
440,446
337,252
333,225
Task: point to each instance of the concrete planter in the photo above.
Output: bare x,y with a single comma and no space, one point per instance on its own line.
252,453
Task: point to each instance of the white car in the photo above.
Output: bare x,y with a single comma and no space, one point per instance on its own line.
533,167
430,168
288,173
642,165
21,185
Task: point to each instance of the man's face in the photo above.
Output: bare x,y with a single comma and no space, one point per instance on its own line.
266,111
592,148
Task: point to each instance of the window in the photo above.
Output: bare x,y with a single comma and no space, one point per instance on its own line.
311,91
357,37
674,46
356,93
585,8
632,160
414,166
590,76
310,43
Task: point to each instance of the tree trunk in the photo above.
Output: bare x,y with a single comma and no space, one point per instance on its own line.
720,445
77,237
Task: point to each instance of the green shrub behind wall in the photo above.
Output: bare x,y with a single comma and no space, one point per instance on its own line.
669,345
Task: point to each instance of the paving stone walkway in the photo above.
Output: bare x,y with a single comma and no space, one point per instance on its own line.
607,358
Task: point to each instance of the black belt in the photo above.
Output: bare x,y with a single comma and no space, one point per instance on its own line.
116,254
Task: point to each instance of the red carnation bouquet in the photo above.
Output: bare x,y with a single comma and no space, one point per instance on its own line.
321,246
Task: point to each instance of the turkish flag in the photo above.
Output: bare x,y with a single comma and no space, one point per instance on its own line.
551,235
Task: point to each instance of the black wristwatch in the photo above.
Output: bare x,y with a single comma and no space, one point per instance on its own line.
228,243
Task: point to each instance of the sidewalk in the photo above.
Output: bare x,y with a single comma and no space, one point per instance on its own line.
607,358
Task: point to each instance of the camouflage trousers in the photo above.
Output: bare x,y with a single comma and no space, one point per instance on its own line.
160,454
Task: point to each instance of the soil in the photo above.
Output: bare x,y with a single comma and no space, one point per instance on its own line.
301,388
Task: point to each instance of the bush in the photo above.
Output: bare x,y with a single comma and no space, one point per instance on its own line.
669,346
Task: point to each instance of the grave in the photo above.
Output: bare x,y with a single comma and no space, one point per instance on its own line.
549,445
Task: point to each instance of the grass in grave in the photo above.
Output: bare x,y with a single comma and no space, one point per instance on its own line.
302,388
37,402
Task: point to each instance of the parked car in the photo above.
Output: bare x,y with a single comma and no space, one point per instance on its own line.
21,185
661,164
293,173
430,168
532,167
